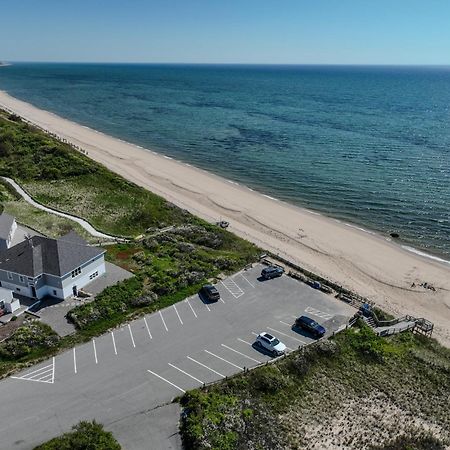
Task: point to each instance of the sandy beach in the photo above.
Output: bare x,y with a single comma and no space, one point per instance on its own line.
361,261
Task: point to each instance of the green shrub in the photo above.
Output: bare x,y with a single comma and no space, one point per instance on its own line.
28,338
85,436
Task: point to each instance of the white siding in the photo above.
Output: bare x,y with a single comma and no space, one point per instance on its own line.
83,279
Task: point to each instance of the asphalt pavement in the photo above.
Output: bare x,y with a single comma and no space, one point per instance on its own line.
127,378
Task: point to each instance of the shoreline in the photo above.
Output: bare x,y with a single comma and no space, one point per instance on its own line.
358,259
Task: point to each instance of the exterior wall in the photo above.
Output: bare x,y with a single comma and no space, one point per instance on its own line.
12,306
83,279
17,283
6,243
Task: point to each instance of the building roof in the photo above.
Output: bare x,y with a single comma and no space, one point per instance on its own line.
6,222
41,255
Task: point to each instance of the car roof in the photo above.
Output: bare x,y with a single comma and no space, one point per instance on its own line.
209,287
267,336
307,319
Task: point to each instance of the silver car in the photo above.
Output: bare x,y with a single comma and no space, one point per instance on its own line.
270,343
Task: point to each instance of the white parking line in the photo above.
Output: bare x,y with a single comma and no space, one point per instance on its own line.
255,334
163,321
167,381
188,374
285,323
242,354
45,378
114,342
247,280
38,371
287,335
131,336
39,376
245,342
192,309
179,318
95,351
148,329
224,360
206,367
316,312
44,374
232,287
74,361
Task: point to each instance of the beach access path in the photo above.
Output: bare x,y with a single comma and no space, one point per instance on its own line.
361,261
83,223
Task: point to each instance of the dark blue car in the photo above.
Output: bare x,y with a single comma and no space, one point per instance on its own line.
310,325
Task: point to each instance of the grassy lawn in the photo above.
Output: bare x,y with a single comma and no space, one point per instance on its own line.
356,391
59,176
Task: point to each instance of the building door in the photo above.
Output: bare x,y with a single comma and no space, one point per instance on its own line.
33,292
75,290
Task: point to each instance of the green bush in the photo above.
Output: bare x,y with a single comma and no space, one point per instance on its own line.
85,436
34,336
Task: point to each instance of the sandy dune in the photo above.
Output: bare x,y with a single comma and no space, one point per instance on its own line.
363,262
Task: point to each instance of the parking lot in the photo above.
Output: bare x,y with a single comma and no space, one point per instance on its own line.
134,368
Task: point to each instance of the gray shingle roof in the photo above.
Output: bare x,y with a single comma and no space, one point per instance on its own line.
6,222
39,255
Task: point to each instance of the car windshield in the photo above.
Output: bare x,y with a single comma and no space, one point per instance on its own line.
314,324
275,342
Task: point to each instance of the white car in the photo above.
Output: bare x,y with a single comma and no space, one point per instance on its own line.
270,343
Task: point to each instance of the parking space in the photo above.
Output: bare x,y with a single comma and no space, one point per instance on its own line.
154,358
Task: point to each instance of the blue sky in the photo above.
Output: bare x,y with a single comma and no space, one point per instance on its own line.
227,31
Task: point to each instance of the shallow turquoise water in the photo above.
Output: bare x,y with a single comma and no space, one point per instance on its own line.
367,145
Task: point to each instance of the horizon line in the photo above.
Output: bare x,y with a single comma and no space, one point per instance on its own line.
10,62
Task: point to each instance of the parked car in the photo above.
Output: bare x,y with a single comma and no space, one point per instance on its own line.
310,325
210,293
270,343
314,284
272,272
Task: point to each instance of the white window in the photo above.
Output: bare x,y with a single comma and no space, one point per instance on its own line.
76,272
21,278
93,275
10,275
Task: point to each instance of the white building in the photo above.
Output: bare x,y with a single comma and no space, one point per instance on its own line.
41,266
7,302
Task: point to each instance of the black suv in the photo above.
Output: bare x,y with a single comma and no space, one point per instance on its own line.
272,272
310,325
210,293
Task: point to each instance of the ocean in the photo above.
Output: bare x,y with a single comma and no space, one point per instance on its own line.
369,146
